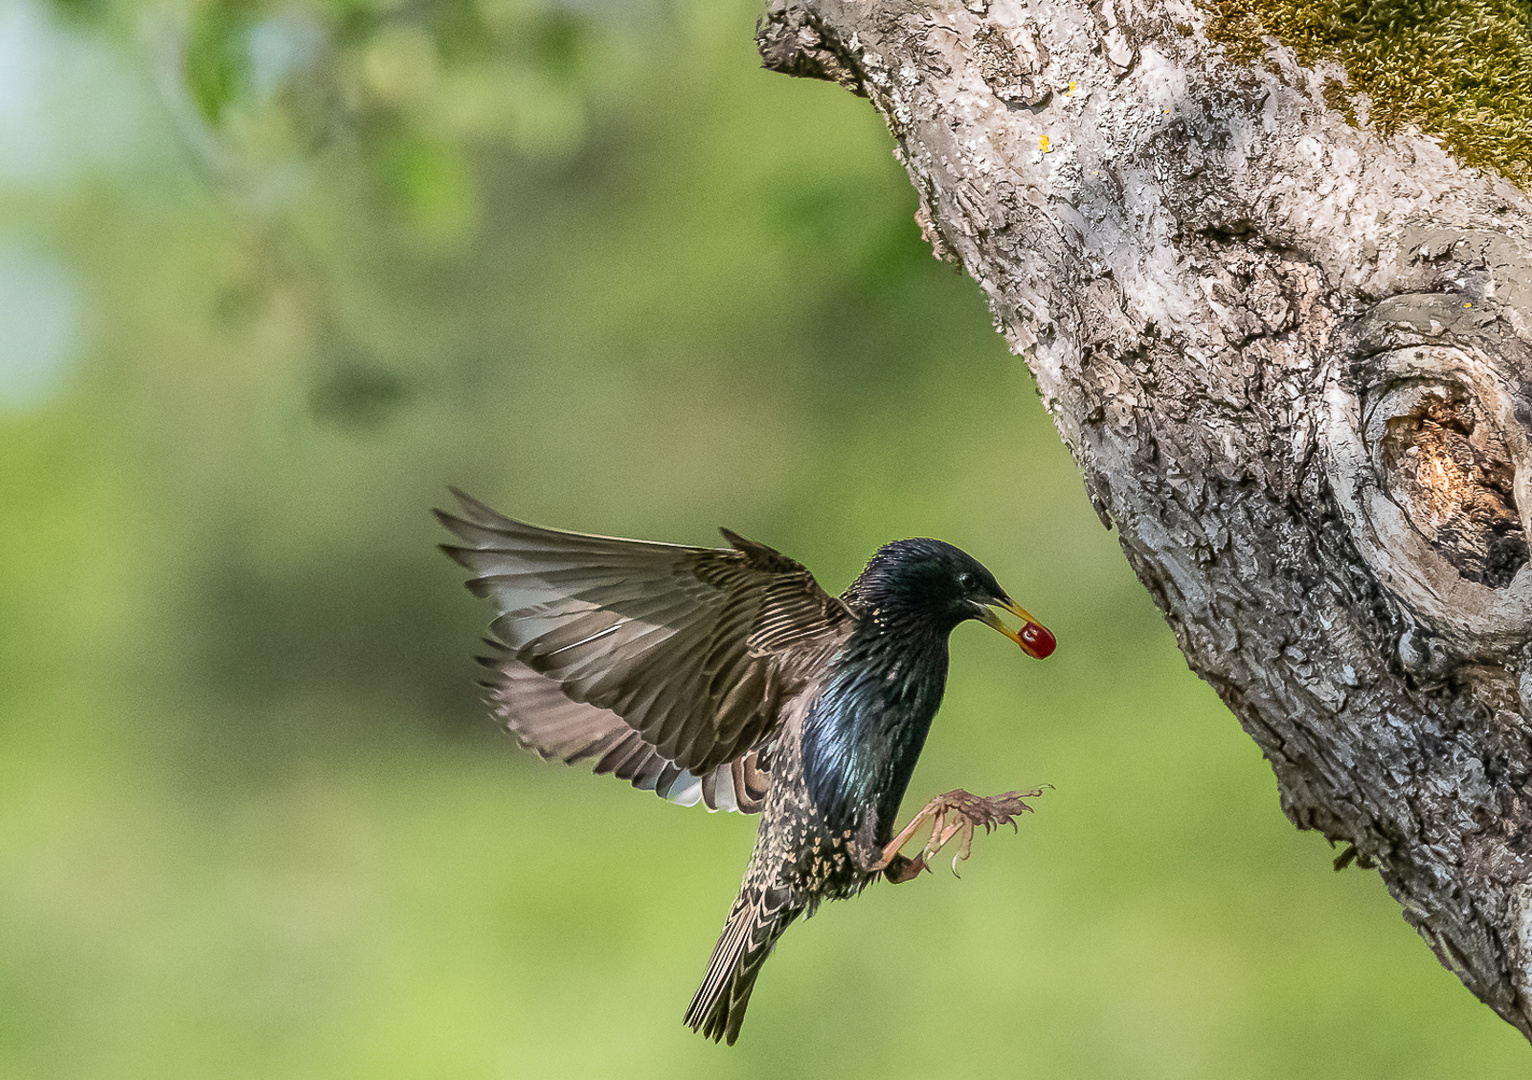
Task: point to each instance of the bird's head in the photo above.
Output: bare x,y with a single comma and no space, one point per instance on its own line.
931,581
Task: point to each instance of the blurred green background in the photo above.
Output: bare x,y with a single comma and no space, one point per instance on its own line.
272,275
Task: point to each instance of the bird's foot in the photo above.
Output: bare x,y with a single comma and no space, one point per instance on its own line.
955,814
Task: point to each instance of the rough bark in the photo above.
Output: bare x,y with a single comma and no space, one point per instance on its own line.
1293,360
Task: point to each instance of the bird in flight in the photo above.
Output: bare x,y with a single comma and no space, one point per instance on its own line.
728,676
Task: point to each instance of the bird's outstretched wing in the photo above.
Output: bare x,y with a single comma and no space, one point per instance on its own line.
534,709
669,664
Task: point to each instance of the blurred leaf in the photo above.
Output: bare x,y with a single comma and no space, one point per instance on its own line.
218,58
431,181
81,10
399,65
356,394
560,45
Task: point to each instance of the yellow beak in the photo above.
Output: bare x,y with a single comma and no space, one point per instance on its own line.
1033,637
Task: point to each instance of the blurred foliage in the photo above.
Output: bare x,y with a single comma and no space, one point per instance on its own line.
590,263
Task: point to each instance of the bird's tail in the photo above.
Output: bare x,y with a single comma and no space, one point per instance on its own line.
759,916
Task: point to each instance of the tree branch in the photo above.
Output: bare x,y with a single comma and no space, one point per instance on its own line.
1293,360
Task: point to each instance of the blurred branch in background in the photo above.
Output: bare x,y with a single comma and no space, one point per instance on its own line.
271,276
272,100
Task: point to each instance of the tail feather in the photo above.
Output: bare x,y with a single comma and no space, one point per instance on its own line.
758,918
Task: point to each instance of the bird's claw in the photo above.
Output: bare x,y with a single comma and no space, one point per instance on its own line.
955,814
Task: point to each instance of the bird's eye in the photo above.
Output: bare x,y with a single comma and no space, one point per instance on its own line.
967,581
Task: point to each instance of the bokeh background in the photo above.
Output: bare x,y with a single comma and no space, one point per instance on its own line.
272,275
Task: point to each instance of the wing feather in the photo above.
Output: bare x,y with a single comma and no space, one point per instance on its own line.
692,650
535,710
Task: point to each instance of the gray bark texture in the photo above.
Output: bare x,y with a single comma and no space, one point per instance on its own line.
1293,360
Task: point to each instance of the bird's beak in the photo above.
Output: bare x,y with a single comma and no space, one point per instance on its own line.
1033,637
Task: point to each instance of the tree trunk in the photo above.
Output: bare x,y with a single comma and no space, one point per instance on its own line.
1291,357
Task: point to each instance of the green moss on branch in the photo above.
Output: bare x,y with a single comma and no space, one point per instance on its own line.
1460,69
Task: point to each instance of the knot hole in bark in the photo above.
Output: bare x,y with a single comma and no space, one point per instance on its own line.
1447,465
1431,466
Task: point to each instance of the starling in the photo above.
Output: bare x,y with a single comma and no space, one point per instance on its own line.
728,676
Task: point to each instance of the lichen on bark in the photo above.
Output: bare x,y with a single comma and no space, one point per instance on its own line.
1406,60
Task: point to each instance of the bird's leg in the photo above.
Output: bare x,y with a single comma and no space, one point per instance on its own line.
957,813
